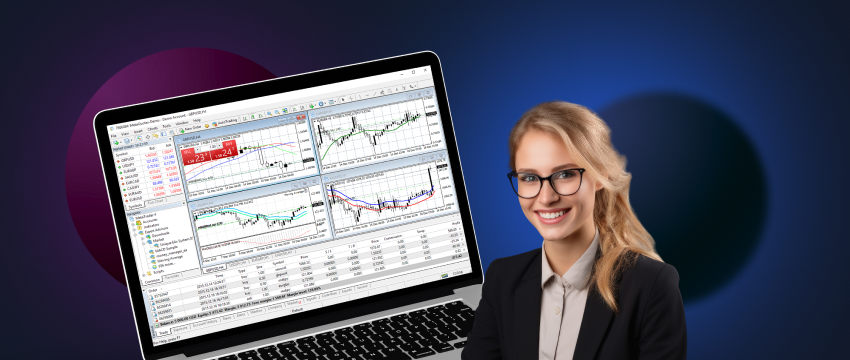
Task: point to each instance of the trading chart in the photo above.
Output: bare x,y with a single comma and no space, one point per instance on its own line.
377,133
247,159
262,223
385,197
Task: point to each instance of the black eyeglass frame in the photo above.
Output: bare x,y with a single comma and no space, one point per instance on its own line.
580,180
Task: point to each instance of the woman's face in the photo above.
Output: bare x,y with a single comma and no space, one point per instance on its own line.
555,216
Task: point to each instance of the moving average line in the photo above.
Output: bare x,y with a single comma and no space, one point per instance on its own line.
236,158
350,135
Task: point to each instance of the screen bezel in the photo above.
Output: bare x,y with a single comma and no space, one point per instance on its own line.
324,315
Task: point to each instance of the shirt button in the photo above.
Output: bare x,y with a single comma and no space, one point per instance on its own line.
557,310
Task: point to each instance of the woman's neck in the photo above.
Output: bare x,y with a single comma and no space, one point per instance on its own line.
562,254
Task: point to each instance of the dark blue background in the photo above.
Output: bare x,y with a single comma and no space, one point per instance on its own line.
778,70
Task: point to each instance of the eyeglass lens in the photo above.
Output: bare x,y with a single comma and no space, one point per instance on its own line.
565,182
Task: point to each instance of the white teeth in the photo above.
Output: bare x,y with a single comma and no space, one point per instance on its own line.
551,215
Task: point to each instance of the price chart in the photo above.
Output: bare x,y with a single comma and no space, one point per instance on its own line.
259,224
390,196
247,159
377,133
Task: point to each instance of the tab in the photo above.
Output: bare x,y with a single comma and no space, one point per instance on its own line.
216,268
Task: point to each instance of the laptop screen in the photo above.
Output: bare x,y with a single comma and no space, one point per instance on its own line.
277,205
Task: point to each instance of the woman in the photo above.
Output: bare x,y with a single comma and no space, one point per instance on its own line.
596,289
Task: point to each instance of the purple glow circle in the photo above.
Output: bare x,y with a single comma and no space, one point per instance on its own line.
165,74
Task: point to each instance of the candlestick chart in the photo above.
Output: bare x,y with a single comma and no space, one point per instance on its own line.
385,196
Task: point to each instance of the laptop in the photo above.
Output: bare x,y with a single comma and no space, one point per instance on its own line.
315,216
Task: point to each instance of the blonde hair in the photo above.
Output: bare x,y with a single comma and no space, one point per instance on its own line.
588,140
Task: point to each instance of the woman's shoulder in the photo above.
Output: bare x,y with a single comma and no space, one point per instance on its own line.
649,273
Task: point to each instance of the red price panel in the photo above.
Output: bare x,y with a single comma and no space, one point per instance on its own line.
190,157
228,149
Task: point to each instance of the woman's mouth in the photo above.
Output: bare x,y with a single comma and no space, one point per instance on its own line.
552,216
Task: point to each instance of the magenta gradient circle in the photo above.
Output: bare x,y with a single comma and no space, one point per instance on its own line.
161,75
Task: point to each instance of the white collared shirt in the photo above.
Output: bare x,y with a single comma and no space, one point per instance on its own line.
562,304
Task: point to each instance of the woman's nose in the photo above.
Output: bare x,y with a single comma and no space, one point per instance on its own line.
547,194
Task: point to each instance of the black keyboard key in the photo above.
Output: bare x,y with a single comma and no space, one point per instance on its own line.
434,309
399,324
382,328
304,355
361,341
380,337
266,349
447,329
336,356
418,319
380,321
373,356
393,342
326,342
410,338
288,351
428,341
421,353
270,356
307,346
363,333
343,331
460,344
228,357
397,333
373,346
362,326
452,319
416,328
344,337
395,353
446,337
287,347
323,351
306,339
442,347
249,355
410,347
455,305
356,352
418,313
401,317
429,324
325,335
430,332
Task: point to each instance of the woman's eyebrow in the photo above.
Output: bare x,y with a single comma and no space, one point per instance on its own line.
554,169
565,166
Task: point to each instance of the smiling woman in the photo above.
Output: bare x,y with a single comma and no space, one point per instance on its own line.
596,289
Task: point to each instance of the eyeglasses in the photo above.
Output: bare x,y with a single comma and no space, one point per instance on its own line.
564,182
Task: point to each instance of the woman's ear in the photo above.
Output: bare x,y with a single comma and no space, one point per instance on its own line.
597,185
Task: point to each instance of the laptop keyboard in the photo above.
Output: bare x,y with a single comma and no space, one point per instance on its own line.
411,335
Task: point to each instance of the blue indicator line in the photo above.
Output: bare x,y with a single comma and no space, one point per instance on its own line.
238,157
264,216
394,202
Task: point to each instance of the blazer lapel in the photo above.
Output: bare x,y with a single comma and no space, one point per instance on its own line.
594,323
527,311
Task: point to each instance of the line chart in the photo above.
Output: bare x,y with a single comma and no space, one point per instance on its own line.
376,133
385,197
246,159
259,224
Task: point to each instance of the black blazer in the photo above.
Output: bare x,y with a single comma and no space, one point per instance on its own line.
650,324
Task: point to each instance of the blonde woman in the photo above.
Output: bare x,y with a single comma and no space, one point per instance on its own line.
596,289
